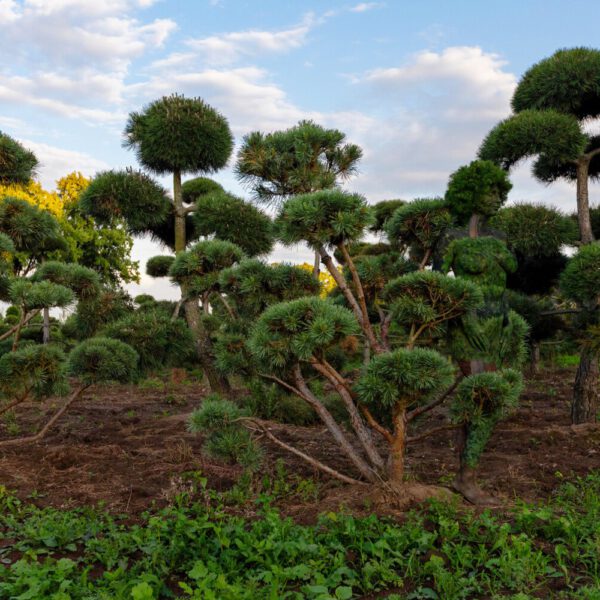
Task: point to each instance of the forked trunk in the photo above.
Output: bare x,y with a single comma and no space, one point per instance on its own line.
586,390
202,340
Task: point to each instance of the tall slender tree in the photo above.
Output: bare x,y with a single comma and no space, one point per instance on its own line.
553,101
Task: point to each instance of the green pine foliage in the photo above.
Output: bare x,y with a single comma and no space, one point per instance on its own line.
580,280
32,230
534,229
302,159
324,218
17,164
230,218
254,285
382,213
480,401
158,266
404,377
290,332
552,136
483,260
37,295
226,438
567,81
182,134
198,268
193,189
130,194
101,359
82,281
478,188
420,223
33,371
498,339
160,341
427,299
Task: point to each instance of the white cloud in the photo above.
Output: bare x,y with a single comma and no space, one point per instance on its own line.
456,81
365,6
230,47
8,11
57,162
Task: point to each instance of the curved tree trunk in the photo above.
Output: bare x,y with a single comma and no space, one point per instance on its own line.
586,389
192,310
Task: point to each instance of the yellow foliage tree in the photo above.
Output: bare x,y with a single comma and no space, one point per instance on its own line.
327,282
33,193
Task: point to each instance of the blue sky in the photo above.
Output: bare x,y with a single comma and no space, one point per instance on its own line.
416,84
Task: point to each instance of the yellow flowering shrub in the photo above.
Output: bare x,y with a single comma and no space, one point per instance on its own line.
33,193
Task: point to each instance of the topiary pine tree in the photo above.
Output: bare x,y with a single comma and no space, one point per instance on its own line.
299,160
580,282
552,103
177,135
476,192
173,135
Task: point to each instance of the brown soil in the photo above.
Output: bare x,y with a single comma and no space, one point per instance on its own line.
128,448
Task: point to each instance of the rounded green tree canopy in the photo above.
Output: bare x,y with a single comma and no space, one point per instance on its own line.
39,370
421,222
295,331
17,164
298,160
404,376
428,298
580,281
230,218
478,188
84,282
254,285
182,134
130,194
568,81
101,359
534,229
158,266
192,189
327,217
555,138
38,295
159,340
199,267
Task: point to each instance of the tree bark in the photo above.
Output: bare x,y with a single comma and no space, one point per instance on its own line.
583,201
396,458
336,431
362,432
474,223
46,327
586,390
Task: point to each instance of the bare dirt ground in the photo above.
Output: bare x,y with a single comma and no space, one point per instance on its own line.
128,448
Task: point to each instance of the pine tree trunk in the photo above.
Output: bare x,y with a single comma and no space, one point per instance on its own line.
396,457
583,201
46,327
586,389
192,310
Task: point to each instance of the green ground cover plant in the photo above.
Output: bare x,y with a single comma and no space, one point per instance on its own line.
204,549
